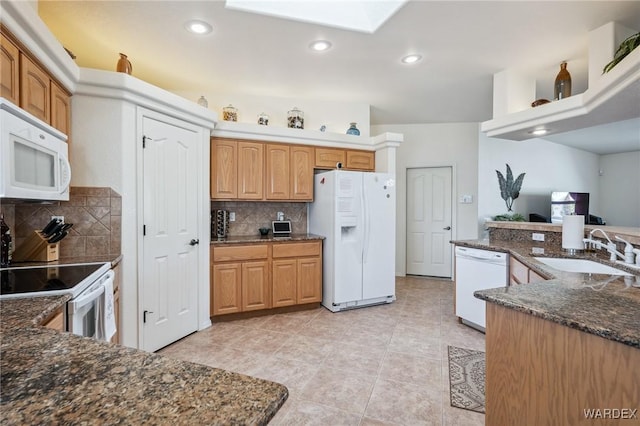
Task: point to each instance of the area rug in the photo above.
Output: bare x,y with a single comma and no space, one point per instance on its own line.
466,378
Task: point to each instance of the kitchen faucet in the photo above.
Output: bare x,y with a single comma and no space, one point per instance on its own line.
629,251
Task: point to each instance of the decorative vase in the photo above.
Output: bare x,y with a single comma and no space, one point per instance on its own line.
124,65
353,130
562,86
203,102
295,119
229,113
263,119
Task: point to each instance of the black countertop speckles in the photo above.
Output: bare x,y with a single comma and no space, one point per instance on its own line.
60,378
604,305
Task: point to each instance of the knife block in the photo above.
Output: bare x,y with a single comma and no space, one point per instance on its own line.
36,248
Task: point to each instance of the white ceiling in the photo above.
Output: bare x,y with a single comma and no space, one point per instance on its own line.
463,44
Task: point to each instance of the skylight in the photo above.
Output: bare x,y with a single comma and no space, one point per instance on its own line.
362,16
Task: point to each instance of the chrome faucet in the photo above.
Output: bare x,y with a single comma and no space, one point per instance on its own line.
610,246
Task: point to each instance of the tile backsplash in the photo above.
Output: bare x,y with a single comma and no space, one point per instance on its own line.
253,215
96,214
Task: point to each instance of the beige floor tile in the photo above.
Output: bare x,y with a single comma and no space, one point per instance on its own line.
404,404
377,366
413,369
310,414
347,391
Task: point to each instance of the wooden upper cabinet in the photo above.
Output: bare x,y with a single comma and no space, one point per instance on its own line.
9,70
302,159
224,168
278,172
360,160
60,109
250,170
35,89
327,158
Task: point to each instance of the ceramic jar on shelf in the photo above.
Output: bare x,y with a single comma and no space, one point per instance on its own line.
263,119
230,113
562,85
353,130
124,64
295,119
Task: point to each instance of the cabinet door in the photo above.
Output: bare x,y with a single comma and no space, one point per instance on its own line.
309,284
361,160
9,70
35,89
277,176
255,286
302,159
250,170
283,281
60,109
224,172
518,272
226,293
327,158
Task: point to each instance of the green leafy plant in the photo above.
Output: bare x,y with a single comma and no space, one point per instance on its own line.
509,188
624,49
516,217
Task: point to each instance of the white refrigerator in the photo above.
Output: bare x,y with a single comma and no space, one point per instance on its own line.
356,213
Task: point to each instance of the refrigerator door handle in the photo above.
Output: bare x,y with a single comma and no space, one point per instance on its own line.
365,218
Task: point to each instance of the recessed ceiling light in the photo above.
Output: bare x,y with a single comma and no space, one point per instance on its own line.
198,27
320,45
411,59
539,132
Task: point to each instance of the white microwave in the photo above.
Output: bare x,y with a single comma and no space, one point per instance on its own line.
34,161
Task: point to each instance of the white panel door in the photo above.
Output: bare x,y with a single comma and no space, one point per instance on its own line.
379,266
429,195
170,251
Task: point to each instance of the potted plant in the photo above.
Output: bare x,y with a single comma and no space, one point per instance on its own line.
509,191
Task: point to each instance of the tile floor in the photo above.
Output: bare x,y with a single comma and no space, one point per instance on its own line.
382,365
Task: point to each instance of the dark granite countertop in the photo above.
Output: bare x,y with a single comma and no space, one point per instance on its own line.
604,305
247,239
52,377
59,378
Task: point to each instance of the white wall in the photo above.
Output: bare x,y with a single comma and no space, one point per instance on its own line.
620,189
548,167
435,145
335,115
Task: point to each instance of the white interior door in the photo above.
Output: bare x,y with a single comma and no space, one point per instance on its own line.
429,221
170,250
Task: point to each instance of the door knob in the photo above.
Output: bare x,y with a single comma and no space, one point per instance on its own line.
448,228
194,242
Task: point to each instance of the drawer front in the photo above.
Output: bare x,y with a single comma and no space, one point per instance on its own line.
360,160
240,252
297,249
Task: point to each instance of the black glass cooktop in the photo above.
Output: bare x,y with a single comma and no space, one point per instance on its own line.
44,281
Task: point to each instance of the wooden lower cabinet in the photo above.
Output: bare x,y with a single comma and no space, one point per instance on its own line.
257,277
55,321
519,273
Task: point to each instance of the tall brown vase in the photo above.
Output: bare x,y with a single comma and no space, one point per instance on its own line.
562,86
124,65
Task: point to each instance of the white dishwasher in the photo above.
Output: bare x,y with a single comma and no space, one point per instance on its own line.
477,270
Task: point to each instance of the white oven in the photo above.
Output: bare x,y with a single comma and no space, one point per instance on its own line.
34,161
84,313
90,311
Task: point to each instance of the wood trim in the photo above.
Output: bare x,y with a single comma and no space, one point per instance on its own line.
56,321
543,373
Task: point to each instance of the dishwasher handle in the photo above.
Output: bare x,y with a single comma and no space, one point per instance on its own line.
482,255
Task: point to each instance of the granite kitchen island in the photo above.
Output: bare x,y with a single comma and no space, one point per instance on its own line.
51,377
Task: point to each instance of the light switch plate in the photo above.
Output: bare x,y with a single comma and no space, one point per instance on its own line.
466,199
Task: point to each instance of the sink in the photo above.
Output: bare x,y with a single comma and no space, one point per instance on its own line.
580,265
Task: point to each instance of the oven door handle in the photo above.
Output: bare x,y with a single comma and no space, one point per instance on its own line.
96,291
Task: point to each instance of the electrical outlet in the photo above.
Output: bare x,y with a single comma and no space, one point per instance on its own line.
232,216
58,217
537,237
537,250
